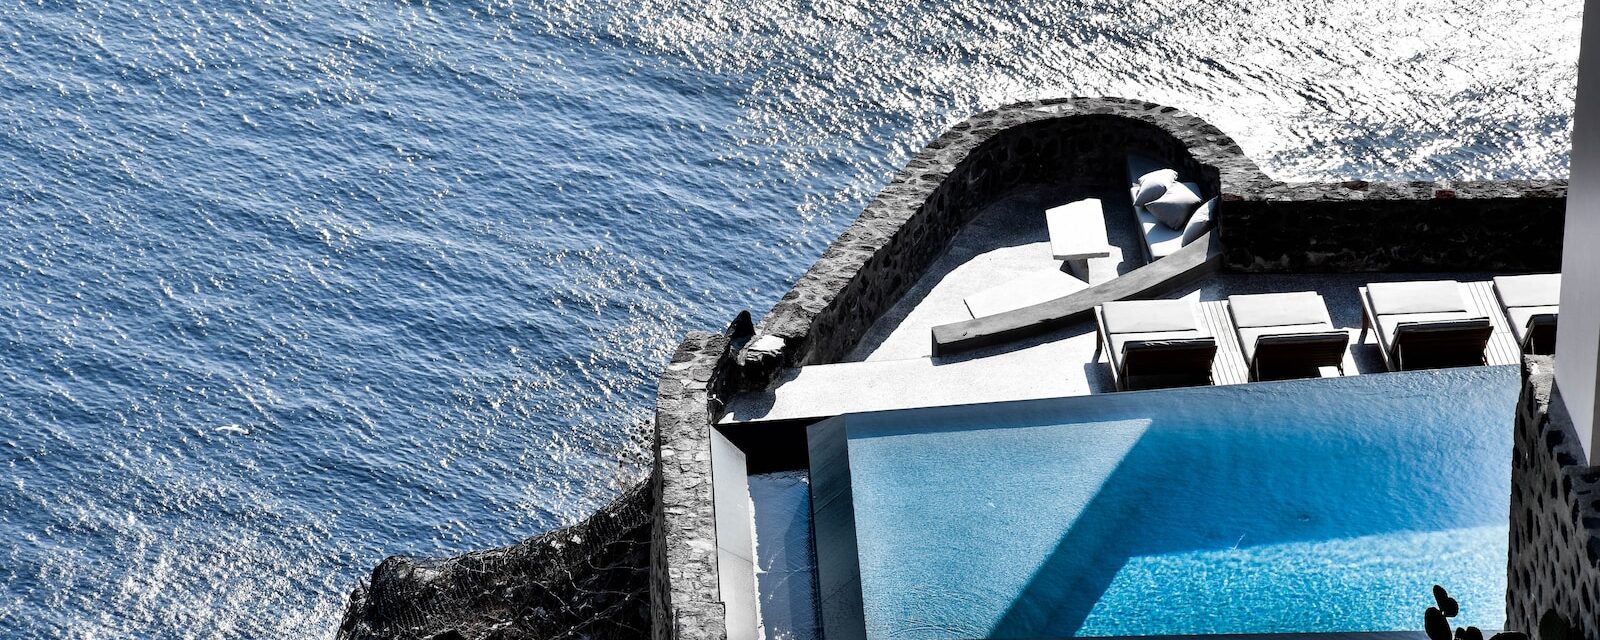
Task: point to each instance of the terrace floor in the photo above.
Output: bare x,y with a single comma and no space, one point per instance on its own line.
893,368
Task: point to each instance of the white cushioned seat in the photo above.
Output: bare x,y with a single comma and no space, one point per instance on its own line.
1161,240
1537,290
1519,317
1425,296
1167,331
1279,309
1439,308
1149,316
1277,314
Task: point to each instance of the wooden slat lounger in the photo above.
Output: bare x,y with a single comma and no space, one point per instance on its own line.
1287,335
1531,304
1155,344
1424,325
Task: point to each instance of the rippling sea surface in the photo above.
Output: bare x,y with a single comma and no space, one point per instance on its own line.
289,286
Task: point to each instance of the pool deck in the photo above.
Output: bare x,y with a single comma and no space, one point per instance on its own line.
893,368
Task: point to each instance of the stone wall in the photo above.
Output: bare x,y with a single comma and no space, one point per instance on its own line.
684,598
585,581
1504,226
1555,514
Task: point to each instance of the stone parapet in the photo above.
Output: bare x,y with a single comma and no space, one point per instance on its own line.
684,598
1355,226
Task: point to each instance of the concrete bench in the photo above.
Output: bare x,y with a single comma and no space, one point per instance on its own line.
1078,233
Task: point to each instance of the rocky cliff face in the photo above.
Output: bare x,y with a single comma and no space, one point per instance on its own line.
590,580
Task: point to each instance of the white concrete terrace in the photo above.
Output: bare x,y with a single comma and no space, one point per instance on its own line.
893,368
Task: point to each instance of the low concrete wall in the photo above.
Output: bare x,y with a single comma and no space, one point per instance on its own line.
1555,514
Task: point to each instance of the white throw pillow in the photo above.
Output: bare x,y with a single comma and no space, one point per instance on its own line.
1174,206
1152,185
1200,222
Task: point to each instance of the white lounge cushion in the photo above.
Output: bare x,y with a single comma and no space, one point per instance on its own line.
1538,290
1425,296
1520,316
1200,222
1249,335
1153,185
1174,206
1160,240
1279,310
1149,316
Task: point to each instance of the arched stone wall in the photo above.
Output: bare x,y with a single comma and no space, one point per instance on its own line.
1076,143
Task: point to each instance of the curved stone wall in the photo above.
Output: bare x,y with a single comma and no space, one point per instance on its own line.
1078,143
1263,224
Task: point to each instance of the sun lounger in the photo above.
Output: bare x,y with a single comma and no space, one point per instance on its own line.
1287,335
1424,325
1531,304
1155,343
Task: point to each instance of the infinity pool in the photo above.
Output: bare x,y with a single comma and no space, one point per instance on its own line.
1314,506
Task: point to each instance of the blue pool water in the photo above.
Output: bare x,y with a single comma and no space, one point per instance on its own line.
786,562
290,286
1303,506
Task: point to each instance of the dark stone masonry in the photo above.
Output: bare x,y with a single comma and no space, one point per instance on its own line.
547,588
684,597
583,581
1503,226
1555,514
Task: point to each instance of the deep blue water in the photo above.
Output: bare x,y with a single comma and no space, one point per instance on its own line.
289,286
1321,506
